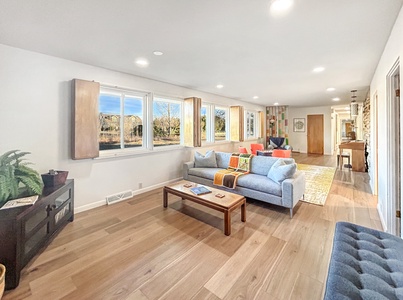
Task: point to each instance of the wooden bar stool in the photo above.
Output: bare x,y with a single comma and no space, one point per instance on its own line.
340,159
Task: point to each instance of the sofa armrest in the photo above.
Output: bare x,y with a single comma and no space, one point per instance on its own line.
293,189
186,166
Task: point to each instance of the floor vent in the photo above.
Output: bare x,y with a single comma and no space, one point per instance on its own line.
119,197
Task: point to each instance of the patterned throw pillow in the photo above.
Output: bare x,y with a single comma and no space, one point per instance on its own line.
205,161
281,171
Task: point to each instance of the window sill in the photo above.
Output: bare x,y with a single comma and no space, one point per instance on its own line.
138,152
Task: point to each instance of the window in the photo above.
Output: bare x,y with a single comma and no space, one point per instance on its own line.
250,124
166,122
206,123
203,123
121,119
221,124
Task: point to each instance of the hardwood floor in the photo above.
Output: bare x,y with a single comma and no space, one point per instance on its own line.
138,250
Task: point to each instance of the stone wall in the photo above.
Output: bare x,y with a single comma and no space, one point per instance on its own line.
366,126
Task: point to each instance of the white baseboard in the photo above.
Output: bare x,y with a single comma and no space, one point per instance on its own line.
137,192
89,206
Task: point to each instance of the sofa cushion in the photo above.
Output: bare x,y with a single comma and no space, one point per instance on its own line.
259,183
262,164
205,161
281,171
207,173
223,159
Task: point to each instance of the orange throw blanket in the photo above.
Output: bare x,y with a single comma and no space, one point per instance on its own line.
239,164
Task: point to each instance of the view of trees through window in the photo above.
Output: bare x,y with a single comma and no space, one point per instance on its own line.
120,121
166,122
203,123
219,124
123,121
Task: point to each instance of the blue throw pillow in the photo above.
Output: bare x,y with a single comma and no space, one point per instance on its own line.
281,171
205,161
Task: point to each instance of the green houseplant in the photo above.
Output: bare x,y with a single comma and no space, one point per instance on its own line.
17,179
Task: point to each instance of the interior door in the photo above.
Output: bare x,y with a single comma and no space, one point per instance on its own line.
315,134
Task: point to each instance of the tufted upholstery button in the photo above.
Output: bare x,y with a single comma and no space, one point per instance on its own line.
365,264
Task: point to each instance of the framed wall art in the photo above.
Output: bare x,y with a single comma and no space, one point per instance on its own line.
299,124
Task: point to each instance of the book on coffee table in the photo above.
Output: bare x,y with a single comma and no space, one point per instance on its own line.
200,190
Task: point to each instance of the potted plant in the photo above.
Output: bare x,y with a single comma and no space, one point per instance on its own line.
17,179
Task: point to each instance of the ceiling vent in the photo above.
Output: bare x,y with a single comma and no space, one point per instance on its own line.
119,197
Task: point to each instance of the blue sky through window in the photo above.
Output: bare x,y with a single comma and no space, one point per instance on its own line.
110,104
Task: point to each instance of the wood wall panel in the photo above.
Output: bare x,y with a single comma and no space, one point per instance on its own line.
192,126
262,118
85,136
237,123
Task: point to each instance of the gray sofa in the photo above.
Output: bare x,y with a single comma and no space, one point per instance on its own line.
256,184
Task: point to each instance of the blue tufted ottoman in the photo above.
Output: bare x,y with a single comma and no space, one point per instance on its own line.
365,264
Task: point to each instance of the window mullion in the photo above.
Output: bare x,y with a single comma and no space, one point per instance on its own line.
150,121
122,116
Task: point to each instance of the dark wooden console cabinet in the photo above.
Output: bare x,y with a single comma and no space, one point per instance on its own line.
25,230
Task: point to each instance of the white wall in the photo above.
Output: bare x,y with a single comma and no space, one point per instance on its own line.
298,140
35,100
393,50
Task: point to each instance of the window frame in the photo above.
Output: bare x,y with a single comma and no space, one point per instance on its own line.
209,123
227,123
170,99
256,131
123,93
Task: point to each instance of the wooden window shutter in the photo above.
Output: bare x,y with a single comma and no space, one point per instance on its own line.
237,123
85,136
192,126
262,118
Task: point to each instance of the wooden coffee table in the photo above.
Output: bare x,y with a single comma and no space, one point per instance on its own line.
226,205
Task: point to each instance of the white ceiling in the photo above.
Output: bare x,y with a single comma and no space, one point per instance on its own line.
237,43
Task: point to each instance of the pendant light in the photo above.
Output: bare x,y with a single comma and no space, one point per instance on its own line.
353,104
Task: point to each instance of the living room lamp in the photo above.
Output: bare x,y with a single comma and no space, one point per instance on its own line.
353,104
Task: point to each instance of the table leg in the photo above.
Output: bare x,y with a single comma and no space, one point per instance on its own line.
227,222
165,197
243,211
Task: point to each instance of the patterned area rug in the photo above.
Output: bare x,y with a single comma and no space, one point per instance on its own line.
318,182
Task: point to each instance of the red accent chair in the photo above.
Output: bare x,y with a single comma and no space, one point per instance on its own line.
281,153
242,150
256,147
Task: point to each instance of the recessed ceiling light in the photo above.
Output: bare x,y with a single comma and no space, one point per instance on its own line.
336,99
331,89
318,69
219,86
255,97
280,5
141,62
276,103
158,53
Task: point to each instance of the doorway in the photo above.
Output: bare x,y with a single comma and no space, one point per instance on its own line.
315,134
394,150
